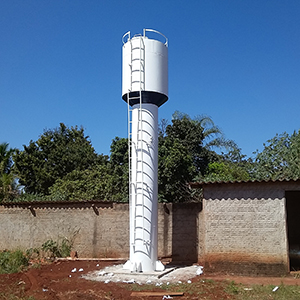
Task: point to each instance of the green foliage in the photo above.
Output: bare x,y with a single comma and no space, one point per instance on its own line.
32,252
211,289
224,171
26,197
119,182
62,165
65,247
280,158
240,292
90,184
55,154
233,288
14,294
175,169
8,186
189,133
53,248
5,158
231,166
106,181
58,249
61,248
12,261
184,154
199,136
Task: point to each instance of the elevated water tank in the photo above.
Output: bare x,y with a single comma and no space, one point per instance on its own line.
144,88
145,68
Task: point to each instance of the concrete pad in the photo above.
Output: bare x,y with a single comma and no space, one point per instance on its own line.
172,274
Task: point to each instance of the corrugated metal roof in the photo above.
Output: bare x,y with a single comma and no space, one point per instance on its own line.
203,183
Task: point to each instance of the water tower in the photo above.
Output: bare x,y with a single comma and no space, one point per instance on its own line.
144,88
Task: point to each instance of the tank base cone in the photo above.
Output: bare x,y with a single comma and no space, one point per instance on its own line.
159,266
137,267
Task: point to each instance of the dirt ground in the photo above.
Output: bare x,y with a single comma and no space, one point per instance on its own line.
57,281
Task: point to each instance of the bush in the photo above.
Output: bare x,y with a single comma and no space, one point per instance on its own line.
12,261
58,249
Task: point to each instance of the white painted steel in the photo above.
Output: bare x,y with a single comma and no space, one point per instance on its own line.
153,64
145,68
143,234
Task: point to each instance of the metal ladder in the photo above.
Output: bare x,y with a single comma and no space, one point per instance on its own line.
131,146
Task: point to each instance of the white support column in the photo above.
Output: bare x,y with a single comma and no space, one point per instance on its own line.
144,200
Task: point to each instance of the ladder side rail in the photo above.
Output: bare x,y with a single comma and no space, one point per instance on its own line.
131,148
141,135
129,123
129,144
131,59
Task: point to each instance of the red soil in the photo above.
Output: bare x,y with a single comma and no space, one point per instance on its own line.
56,281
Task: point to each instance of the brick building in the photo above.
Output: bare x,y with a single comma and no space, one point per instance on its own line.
250,227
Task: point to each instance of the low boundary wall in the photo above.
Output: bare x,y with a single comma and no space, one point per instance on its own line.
241,228
98,229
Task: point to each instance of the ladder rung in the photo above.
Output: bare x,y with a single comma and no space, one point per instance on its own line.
131,98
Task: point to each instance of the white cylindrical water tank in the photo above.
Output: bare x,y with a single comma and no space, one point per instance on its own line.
145,68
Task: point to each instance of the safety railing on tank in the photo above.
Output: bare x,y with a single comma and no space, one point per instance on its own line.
144,34
155,31
123,37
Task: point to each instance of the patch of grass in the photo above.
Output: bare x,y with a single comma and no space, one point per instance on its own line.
203,288
140,287
233,288
14,291
6,296
197,289
259,292
12,261
208,289
13,297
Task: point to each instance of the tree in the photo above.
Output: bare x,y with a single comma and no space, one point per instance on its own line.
107,180
175,170
231,166
225,171
199,136
280,158
89,184
6,158
185,151
54,155
120,169
8,184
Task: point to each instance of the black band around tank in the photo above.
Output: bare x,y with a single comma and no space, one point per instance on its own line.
147,97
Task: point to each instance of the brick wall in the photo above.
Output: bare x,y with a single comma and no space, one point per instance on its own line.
98,229
245,228
241,228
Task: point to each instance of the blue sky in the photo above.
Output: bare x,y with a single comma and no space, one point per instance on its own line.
237,61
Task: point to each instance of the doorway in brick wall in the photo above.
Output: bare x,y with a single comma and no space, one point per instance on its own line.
293,228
